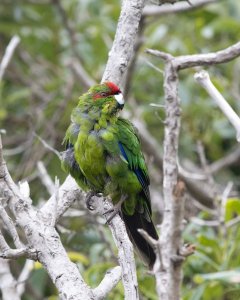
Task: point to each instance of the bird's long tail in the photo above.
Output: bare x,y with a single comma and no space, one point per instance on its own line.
139,221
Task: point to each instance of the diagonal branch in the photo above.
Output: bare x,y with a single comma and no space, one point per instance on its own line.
204,80
228,160
44,239
155,11
124,42
208,59
10,227
8,55
110,280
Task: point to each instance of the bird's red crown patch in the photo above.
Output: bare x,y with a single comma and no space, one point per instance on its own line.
114,88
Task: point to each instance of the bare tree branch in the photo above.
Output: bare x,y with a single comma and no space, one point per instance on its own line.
45,178
24,275
68,192
16,253
208,59
109,281
44,239
8,283
169,276
228,160
170,237
76,63
125,248
10,227
8,55
152,148
154,11
124,42
204,80
81,73
39,223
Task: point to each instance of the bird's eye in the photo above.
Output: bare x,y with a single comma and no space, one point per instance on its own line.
104,94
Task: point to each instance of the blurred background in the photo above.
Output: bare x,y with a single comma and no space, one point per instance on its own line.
63,49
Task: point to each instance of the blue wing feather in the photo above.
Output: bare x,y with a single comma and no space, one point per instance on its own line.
144,181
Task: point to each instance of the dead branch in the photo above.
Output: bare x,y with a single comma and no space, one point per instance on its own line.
124,42
155,11
8,54
8,283
169,276
204,80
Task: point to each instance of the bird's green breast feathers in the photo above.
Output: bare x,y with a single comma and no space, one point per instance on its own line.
108,155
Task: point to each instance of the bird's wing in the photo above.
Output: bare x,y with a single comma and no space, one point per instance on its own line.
69,163
130,149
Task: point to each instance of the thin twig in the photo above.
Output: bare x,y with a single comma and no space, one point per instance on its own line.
16,253
2,173
209,176
77,62
45,178
222,210
154,11
152,148
15,40
157,249
208,223
24,276
204,80
228,160
8,284
233,222
3,244
47,146
10,227
56,198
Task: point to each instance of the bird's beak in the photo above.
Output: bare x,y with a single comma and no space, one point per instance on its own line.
120,100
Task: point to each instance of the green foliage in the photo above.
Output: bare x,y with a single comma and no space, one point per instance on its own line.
40,89
215,265
232,208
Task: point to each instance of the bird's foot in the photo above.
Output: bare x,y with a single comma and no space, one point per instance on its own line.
115,210
89,200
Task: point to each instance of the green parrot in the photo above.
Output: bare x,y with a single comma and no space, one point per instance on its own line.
103,154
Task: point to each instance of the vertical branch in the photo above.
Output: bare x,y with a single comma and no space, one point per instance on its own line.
24,275
123,46
169,279
125,249
7,282
168,275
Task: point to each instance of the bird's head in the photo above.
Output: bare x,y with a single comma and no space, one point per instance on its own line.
106,97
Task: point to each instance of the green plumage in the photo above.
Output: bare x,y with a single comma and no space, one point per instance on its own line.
103,154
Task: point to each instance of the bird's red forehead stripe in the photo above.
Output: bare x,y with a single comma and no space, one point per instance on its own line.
114,88
96,96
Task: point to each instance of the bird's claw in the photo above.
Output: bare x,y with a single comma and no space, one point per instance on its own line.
89,200
115,210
